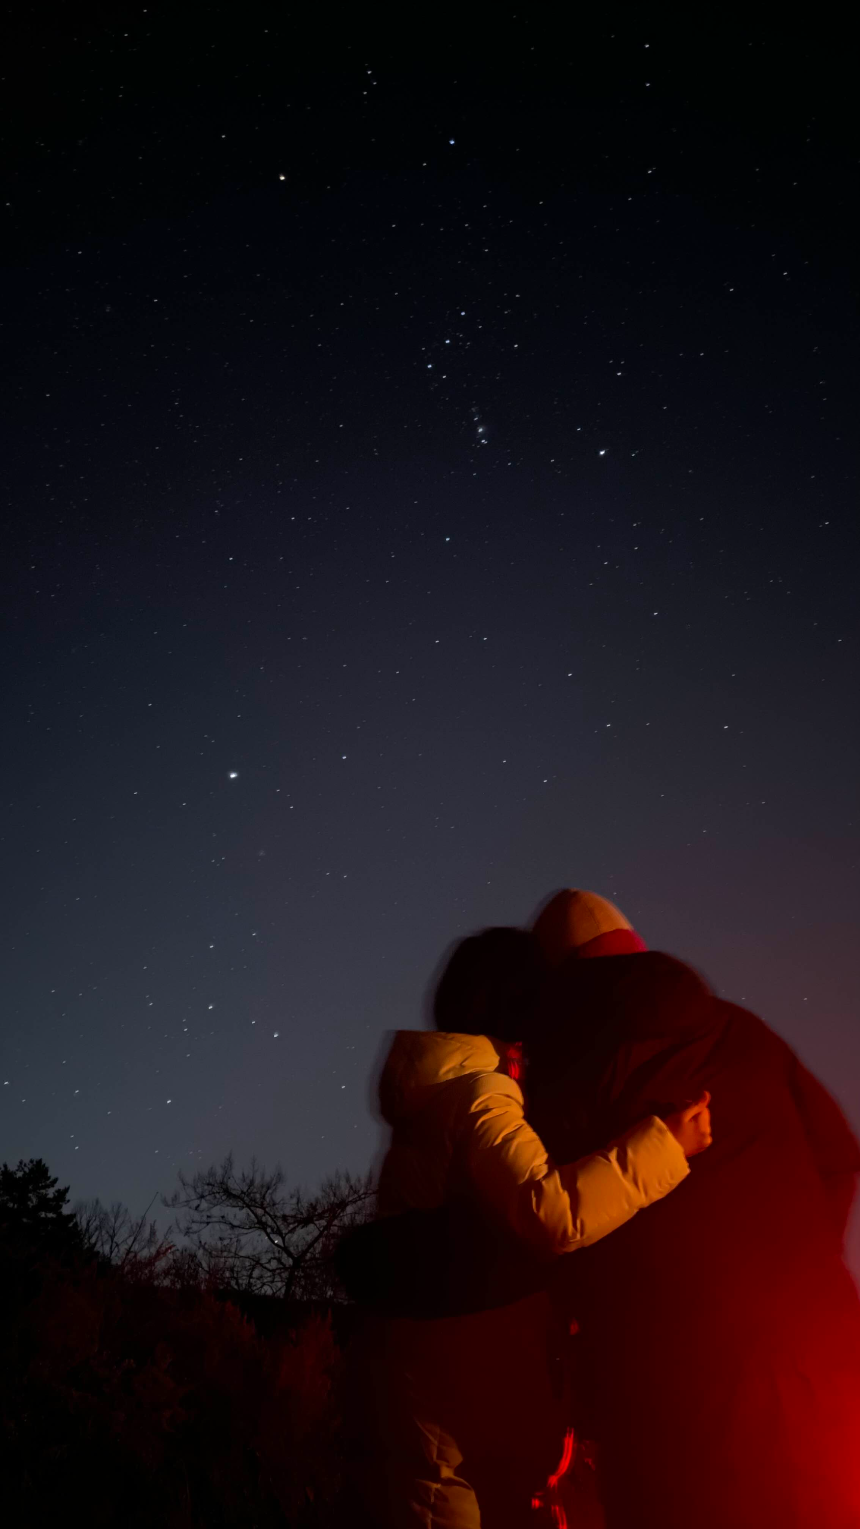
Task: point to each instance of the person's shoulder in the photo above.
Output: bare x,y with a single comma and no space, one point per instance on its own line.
737,1014
751,1030
492,1086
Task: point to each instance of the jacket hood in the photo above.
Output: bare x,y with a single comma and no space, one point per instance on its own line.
419,1060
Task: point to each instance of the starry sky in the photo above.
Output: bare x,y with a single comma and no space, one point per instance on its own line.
430,480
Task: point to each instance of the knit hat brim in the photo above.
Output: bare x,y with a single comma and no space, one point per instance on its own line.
584,922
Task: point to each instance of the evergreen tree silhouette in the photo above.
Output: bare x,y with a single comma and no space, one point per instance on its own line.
36,1229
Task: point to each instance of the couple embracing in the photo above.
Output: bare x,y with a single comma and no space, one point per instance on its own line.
562,1250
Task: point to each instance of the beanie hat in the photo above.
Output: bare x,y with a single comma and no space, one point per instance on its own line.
585,923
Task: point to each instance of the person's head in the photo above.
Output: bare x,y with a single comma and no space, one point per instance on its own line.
488,984
585,924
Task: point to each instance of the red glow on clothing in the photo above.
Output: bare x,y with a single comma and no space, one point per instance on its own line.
616,942
559,1517
512,1061
564,1463
557,1511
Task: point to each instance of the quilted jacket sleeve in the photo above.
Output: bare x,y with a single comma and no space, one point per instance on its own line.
560,1209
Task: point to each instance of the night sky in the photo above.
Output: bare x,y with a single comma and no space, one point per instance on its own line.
430,464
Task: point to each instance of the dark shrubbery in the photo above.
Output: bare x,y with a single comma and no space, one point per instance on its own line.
135,1399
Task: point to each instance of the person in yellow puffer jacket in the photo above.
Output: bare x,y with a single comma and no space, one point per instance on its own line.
467,1419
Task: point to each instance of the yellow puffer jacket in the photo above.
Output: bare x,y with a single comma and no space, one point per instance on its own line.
466,1421
458,1127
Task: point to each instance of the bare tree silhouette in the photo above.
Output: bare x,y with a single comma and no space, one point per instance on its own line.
114,1234
249,1232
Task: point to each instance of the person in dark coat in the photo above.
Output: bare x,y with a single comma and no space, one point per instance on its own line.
719,1336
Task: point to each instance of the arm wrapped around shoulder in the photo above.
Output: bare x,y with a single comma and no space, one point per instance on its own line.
560,1209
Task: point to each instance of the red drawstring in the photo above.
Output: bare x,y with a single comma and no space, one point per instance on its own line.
559,1517
564,1463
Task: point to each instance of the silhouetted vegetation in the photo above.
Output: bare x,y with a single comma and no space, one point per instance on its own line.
134,1389
36,1229
248,1232
113,1234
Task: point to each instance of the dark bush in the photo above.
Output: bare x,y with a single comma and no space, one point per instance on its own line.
140,1405
131,1394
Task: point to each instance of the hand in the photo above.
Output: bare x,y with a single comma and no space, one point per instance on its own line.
691,1127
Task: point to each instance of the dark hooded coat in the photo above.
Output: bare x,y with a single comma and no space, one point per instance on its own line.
719,1337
